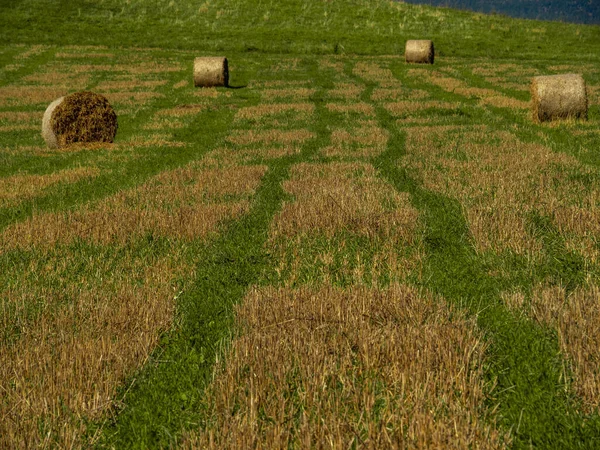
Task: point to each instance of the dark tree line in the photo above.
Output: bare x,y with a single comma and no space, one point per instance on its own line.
578,11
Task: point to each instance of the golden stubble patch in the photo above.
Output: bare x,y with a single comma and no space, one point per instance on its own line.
575,316
91,332
184,203
17,188
408,108
173,118
373,72
270,136
380,94
57,77
30,95
361,108
497,178
329,63
300,111
129,85
334,197
296,93
363,141
346,91
132,98
361,367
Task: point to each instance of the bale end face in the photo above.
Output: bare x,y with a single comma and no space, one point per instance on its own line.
79,117
558,97
211,72
419,52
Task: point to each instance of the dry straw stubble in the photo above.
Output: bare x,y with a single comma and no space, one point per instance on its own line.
211,72
558,97
323,367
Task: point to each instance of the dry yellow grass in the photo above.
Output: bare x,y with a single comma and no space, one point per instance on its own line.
346,91
575,316
126,85
330,63
301,111
173,118
502,101
185,203
380,94
21,117
301,93
181,84
65,362
331,368
352,108
364,141
373,72
57,77
17,188
144,67
132,98
270,136
407,108
344,196
29,95
497,178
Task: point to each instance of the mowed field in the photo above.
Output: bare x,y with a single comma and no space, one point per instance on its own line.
338,251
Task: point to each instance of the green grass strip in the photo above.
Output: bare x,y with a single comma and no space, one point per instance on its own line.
524,358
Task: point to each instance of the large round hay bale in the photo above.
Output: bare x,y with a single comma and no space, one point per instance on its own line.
211,71
419,51
559,97
79,117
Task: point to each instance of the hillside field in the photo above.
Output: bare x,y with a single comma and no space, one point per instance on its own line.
340,250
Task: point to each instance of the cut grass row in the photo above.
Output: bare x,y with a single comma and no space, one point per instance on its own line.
242,256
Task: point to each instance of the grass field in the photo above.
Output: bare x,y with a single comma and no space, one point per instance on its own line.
340,251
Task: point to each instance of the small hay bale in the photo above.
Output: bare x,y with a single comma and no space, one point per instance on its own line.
79,117
558,97
419,52
211,71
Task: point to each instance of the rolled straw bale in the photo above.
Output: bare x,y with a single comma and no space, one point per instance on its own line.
558,97
211,71
79,117
419,51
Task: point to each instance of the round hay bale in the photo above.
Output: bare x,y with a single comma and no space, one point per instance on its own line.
211,71
79,117
558,97
419,51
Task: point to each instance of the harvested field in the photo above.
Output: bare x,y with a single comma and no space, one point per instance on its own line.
364,141
269,137
18,188
360,108
496,188
184,204
291,93
346,91
372,361
343,196
575,317
270,111
374,73
63,366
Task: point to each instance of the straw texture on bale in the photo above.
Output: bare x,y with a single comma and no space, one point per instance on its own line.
419,52
79,117
47,133
559,97
211,72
